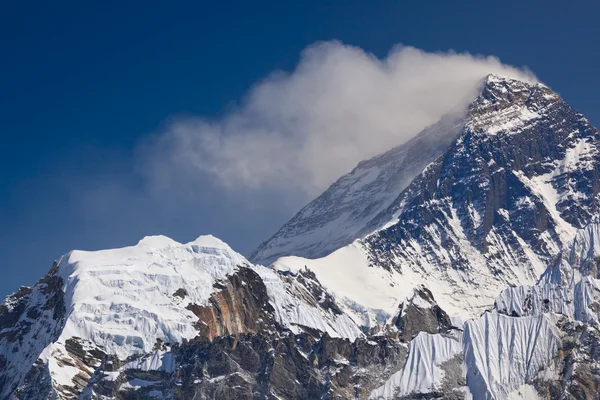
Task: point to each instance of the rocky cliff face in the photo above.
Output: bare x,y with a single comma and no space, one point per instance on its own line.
239,305
420,313
246,366
30,320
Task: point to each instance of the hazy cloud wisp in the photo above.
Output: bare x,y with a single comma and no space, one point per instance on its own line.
298,132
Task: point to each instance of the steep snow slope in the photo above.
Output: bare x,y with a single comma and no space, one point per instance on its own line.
369,295
570,286
345,211
565,303
502,353
423,371
496,357
540,341
123,299
121,302
372,295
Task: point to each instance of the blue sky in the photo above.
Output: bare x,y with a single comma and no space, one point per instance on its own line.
85,87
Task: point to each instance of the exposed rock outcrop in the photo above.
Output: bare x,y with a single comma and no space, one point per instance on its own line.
239,305
420,313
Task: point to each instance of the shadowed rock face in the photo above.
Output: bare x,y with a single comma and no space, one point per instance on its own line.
259,366
420,313
17,313
30,319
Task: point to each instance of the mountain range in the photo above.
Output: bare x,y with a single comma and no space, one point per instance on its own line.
462,264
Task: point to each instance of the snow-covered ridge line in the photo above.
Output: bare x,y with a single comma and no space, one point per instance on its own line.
121,302
123,299
350,208
526,342
424,369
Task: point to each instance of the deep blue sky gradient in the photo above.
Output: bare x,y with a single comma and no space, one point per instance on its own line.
82,82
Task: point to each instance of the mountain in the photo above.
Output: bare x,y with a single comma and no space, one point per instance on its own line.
95,312
460,265
251,341
491,212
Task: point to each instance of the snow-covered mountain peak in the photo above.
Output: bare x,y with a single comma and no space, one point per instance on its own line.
123,299
497,78
509,105
119,303
161,241
157,241
367,199
509,190
401,257
210,241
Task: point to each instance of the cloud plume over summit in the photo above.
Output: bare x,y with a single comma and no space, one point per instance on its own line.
299,131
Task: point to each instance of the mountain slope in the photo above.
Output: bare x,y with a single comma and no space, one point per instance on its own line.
122,303
539,342
491,212
345,210
504,199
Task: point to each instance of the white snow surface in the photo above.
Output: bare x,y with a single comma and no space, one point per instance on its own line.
158,360
372,294
368,294
502,353
292,312
122,301
524,392
421,372
585,246
568,287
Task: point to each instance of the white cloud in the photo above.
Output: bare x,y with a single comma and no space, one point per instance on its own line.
297,132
